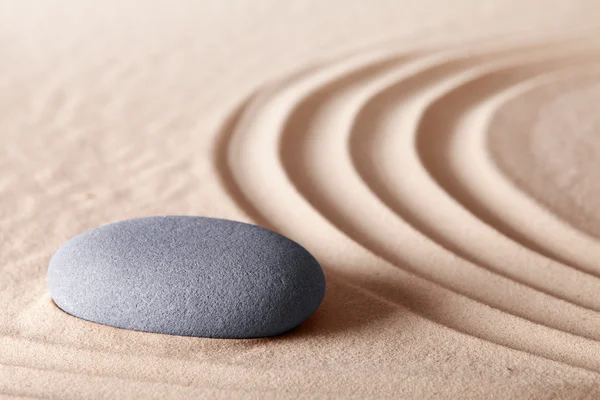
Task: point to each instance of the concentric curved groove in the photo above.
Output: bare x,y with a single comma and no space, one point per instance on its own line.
448,304
388,165
439,154
252,157
326,193
564,237
567,242
562,119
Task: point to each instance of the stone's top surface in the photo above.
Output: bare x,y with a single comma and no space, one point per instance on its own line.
190,276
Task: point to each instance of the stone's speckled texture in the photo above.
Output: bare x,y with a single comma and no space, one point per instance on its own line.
188,276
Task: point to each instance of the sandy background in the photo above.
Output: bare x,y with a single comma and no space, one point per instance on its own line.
440,159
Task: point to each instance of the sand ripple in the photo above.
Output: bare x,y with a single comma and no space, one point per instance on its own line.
383,164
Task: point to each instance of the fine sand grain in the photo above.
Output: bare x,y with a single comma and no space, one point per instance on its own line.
440,159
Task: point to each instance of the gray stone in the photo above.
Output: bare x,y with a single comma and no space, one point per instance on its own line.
188,276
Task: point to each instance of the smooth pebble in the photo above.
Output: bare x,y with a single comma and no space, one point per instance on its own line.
190,276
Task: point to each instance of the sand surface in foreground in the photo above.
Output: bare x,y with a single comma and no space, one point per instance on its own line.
440,159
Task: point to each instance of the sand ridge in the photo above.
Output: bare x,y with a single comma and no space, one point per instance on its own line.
310,122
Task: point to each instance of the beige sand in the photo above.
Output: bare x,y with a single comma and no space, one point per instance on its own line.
441,159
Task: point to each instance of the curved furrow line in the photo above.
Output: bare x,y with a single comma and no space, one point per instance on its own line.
264,113
554,149
253,158
391,168
318,164
532,214
439,143
566,242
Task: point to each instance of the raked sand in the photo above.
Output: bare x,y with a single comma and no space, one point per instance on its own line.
440,159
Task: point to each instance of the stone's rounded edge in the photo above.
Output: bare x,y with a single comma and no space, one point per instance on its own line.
67,279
